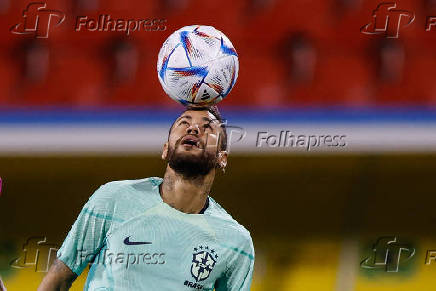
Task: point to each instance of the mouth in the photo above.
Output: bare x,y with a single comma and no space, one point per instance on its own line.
190,141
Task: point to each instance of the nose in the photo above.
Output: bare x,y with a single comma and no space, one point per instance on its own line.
193,129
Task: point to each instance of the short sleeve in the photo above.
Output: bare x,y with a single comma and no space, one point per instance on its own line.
239,273
87,235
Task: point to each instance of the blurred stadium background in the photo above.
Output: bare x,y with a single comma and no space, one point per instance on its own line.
80,108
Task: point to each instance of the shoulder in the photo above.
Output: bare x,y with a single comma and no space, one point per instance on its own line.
126,196
137,184
116,189
227,226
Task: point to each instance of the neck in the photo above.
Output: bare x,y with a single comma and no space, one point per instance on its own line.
186,195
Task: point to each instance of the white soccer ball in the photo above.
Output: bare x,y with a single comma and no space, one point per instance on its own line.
197,65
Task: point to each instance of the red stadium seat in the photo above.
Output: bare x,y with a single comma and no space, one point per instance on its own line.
8,79
417,88
80,67
342,80
260,83
266,27
72,80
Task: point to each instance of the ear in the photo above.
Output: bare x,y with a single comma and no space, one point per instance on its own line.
165,151
222,159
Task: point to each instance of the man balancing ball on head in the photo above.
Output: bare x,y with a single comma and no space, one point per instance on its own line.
162,234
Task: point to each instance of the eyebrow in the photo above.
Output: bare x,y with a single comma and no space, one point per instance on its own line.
184,116
204,118
209,120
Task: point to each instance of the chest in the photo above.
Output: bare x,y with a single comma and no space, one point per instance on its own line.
182,253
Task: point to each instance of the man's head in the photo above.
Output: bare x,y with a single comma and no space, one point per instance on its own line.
197,142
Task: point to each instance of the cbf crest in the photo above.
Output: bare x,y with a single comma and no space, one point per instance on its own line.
203,261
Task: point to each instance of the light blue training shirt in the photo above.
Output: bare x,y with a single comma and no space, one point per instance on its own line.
132,240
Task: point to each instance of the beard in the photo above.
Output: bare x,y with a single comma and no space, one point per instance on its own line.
191,166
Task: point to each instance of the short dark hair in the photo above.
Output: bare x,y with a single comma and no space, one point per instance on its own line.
222,139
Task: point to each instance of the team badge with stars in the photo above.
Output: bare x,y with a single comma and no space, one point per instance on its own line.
203,261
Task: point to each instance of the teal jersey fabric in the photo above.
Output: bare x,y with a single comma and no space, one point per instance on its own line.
132,240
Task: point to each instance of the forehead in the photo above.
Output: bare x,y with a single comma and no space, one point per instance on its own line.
200,115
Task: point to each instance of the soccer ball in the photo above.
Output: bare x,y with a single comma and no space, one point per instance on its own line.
197,65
